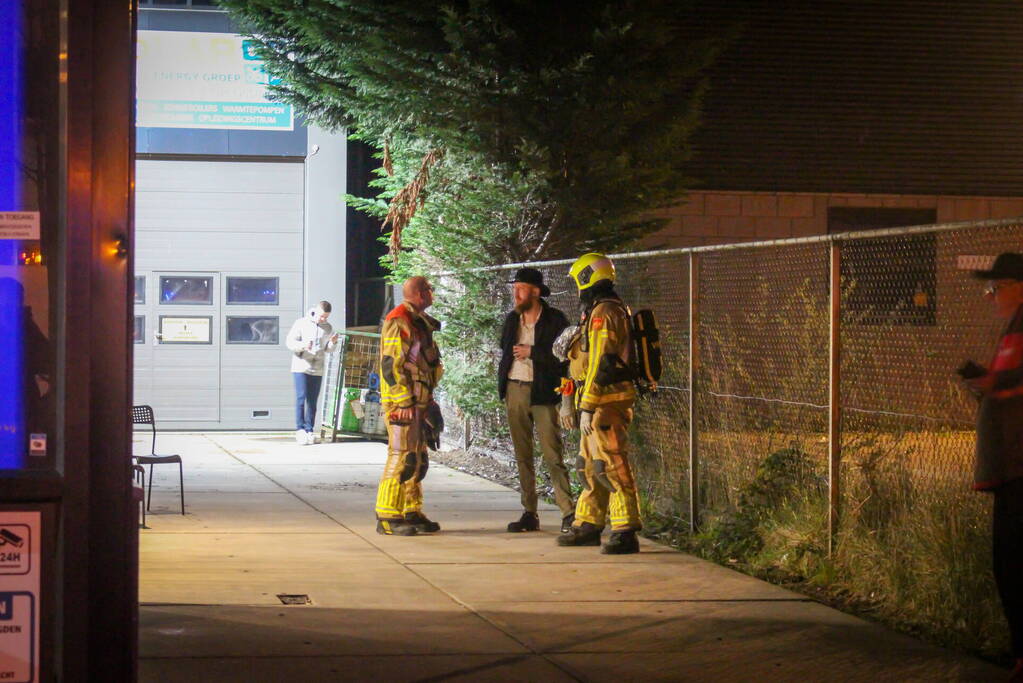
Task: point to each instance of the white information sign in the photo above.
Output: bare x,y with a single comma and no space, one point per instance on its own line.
19,225
185,330
19,596
204,80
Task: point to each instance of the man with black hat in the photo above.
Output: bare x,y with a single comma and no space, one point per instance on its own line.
999,459
528,379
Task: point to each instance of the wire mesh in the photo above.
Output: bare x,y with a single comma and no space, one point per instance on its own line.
911,534
910,315
762,378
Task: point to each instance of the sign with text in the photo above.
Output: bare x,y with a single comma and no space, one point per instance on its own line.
19,225
192,330
204,80
20,534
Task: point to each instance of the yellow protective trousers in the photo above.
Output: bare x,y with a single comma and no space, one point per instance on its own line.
603,465
401,491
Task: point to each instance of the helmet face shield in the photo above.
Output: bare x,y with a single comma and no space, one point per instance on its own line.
589,269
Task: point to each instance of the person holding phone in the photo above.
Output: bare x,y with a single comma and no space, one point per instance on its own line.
309,340
999,455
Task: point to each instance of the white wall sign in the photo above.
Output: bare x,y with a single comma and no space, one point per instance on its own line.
204,80
20,535
19,225
185,330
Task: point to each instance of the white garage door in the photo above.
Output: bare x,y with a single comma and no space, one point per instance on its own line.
219,265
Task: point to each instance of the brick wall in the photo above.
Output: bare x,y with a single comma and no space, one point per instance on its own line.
709,217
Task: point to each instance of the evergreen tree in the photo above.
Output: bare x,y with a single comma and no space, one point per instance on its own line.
510,131
584,110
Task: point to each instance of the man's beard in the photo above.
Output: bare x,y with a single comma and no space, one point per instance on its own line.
525,305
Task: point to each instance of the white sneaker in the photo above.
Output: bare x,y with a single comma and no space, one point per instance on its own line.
300,437
310,438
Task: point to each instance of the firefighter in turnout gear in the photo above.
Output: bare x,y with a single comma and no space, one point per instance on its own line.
410,369
605,393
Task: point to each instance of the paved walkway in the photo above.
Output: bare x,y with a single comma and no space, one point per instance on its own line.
268,517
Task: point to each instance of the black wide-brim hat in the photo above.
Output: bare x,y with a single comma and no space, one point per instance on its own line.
531,276
1008,266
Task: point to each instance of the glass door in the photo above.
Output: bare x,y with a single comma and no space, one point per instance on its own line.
31,190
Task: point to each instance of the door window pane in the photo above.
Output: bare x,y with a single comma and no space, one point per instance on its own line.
186,289
140,289
252,290
140,329
32,187
252,329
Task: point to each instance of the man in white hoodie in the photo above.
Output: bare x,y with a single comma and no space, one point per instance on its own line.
309,340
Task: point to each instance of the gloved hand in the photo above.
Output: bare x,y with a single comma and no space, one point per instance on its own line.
433,425
586,422
566,413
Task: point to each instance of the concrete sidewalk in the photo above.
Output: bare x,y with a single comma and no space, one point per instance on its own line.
268,517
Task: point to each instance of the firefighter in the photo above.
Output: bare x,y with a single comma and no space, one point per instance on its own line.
410,368
599,365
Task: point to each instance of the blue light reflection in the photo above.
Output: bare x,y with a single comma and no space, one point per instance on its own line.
12,421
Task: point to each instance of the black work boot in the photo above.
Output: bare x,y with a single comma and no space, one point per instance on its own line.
527,522
621,543
421,522
584,534
395,527
566,522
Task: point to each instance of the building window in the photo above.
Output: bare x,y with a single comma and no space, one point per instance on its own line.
252,290
889,280
252,330
140,289
186,289
140,329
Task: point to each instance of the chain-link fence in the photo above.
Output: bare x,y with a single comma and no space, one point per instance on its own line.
824,430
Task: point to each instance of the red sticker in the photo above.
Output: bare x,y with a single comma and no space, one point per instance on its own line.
597,323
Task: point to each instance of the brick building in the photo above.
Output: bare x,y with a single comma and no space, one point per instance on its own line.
842,116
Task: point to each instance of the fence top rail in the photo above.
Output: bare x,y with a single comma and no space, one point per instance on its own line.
358,333
815,239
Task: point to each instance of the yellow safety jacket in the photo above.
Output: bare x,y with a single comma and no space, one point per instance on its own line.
410,366
606,333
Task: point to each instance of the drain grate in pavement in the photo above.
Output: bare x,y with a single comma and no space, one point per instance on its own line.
294,599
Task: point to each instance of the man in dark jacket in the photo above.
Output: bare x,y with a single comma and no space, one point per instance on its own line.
999,462
528,378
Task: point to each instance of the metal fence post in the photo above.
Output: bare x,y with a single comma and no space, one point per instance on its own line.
834,395
694,469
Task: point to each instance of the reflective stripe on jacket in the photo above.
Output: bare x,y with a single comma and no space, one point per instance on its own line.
607,328
410,365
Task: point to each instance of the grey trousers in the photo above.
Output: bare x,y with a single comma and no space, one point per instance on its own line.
522,418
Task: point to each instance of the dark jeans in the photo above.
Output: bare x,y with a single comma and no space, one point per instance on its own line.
307,391
1007,537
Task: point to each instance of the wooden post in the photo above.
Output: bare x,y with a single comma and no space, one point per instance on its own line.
834,396
694,358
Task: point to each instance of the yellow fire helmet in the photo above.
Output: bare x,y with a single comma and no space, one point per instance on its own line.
589,269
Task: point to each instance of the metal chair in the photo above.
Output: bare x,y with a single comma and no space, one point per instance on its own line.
138,489
144,415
